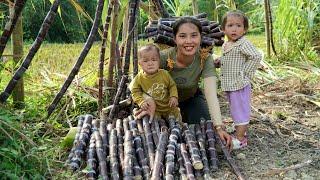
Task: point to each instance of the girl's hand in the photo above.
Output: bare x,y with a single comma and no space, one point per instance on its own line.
173,102
217,63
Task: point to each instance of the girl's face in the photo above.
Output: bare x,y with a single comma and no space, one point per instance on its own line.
187,39
234,28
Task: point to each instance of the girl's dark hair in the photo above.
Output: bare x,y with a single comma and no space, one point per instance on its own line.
236,13
184,20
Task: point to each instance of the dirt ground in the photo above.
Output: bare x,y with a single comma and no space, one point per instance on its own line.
283,134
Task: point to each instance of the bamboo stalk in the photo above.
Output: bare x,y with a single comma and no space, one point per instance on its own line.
33,50
102,55
83,54
92,160
114,163
159,157
187,162
8,28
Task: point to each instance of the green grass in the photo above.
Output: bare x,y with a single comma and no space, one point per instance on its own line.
44,78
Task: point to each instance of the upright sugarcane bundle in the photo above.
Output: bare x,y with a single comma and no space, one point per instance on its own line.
100,152
193,148
82,143
92,160
114,162
161,31
160,153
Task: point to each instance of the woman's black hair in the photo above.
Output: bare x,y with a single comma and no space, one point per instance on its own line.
183,20
236,13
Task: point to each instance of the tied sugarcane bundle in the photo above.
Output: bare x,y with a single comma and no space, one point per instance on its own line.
99,150
161,31
81,143
160,153
211,143
170,156
76,139
137,141
173,157
201,140
193,148
92,160
114,162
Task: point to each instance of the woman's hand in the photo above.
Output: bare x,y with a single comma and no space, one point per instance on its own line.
225,138
173,102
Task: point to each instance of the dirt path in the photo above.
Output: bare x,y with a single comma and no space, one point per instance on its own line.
283,135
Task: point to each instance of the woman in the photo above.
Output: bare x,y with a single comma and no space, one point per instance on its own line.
186,67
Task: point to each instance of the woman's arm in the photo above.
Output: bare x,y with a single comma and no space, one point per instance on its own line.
210,91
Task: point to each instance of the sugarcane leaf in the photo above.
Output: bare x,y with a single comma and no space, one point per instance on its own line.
69,138
315,102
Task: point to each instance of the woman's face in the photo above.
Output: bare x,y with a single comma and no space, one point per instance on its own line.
187,39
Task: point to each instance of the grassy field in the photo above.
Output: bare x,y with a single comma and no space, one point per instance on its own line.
30,144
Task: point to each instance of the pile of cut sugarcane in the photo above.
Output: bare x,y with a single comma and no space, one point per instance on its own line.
131,148
161,31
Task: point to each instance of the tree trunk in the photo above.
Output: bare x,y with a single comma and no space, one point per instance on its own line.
33,50
18,6
195,7
17,49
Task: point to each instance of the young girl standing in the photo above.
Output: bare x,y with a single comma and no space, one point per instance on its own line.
238,62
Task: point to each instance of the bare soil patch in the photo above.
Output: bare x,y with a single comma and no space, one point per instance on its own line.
283,134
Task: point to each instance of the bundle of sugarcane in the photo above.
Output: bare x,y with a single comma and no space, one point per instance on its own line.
137,149
161,31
